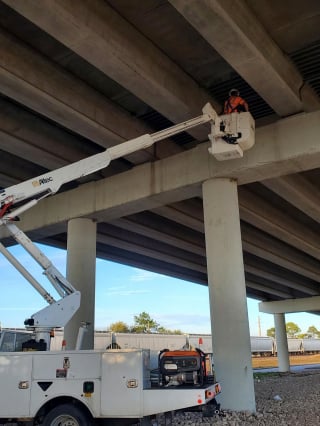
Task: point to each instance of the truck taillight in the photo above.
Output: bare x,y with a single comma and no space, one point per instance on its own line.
209,394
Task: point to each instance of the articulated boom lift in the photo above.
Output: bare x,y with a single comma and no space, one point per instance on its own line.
230,135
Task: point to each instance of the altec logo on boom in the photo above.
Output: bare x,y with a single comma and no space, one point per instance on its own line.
42,181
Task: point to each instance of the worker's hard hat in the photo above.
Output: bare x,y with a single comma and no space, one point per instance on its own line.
234,92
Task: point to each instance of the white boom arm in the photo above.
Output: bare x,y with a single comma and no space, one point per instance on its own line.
49,183
224,129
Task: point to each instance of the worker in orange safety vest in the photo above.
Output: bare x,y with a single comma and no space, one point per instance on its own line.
235,103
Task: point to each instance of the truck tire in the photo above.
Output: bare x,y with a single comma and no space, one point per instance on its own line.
67,415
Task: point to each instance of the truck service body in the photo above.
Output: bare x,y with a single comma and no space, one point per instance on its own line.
78,387
100,384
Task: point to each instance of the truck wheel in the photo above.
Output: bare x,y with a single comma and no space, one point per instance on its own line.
67,415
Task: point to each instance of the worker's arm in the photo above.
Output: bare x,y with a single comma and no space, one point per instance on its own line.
246,106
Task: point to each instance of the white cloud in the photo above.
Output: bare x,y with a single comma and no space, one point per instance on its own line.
188,322
119,292
141,275
16,309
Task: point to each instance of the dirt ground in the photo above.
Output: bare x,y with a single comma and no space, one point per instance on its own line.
282,399
269,362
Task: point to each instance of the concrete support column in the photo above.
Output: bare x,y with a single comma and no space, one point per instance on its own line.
81,269
227,293
282,342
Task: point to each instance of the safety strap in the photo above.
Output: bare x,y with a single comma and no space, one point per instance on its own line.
232,108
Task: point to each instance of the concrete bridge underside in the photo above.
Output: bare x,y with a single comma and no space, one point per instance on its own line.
78,79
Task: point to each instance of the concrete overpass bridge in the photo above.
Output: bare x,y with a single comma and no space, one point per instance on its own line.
78,77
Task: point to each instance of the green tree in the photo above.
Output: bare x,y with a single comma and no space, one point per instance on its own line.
164,330
143,323
271,332
119,327
313,331
292,329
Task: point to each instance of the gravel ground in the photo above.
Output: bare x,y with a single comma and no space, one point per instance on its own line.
282,399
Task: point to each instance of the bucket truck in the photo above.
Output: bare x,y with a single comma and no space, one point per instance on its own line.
76,387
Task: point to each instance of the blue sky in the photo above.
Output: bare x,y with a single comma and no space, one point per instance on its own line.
121,293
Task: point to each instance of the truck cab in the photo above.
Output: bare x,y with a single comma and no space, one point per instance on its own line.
12,340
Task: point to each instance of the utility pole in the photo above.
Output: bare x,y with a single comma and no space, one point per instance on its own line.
259,327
